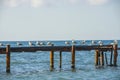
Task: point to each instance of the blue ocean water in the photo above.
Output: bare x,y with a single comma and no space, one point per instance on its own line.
35,65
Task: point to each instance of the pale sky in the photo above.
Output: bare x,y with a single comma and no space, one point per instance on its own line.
59,19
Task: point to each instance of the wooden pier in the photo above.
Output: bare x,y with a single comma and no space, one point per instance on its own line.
100,55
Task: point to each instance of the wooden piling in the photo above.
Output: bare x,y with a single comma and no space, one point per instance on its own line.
101,58
115,54
8,59
73,57
51,59
111,57
60,63
106,59
96,57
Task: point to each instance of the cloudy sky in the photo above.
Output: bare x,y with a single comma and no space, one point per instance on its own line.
59,19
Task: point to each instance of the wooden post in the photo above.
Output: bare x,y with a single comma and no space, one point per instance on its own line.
96,57
106,59
60,64
101,58
8,59
111,57
51,59
115,54
73,57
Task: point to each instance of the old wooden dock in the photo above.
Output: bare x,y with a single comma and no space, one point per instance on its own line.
100,56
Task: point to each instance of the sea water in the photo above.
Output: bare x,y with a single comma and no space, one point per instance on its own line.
36,65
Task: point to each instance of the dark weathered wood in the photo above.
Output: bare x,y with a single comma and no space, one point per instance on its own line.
96,57
111,57
115,54
60,63
52,59
8,59
73,57
101,58
2,50
106,59
59,48
118,48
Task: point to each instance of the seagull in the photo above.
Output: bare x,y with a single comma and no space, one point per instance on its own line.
30,43
111,43
73,42
49,43
37,43
66,42
41,43
93,42
18,43
100,43
83,42
115,42
1,44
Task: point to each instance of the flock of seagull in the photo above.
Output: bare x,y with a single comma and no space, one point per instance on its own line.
84,42
39,43
30,43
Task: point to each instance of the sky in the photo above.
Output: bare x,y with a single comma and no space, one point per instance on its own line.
59,20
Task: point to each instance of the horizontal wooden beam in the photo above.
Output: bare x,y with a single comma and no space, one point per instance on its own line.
59,48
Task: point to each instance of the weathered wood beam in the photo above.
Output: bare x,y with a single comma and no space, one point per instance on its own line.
8,59
59,48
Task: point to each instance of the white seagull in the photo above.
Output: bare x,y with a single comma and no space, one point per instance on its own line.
38,43
115,42
93,42
49,43
42,43
1,44
83,42
30,43
18,43
66,42
100,43
73,42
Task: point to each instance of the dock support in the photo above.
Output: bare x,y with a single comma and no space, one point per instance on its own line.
8,59
115,54
96,57
73,57
102,58
51,59
60,63
106,59
111,57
